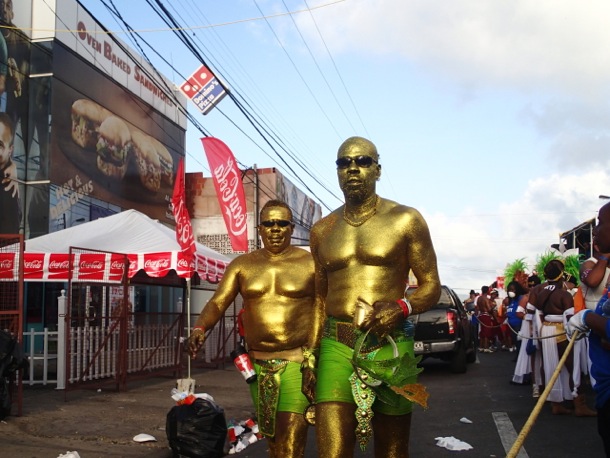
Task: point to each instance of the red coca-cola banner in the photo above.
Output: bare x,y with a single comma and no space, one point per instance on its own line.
229,189
105,267
184,230
8,265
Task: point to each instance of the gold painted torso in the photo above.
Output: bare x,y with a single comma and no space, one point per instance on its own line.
278,296
369,261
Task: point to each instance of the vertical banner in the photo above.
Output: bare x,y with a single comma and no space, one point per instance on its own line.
229,189
184,230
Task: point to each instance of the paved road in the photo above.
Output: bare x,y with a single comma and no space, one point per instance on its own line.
103,423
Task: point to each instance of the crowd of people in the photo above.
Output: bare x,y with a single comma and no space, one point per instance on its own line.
537,320
531,321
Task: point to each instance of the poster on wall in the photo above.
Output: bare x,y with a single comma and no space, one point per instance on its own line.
15,59
108,144
305,211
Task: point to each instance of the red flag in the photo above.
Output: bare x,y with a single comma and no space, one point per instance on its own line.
184,230
229,189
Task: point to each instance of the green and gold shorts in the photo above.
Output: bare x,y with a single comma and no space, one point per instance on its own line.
335,367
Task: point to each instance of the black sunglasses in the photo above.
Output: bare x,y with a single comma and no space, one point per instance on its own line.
273,222
361,161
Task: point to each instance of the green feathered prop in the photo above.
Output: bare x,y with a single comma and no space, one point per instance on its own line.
515,271
543,260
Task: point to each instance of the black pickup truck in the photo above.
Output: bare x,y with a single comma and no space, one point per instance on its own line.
446,332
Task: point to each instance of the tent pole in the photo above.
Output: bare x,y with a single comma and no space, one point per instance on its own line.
187,385
188,322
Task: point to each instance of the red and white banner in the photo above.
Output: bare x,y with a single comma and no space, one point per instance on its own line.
105,267
229,189
184,230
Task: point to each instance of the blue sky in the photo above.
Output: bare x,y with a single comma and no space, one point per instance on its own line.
491,118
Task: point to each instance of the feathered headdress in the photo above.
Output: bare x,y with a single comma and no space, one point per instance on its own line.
516,271
544,259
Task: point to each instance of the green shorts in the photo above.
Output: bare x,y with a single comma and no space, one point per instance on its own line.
291,399
335,368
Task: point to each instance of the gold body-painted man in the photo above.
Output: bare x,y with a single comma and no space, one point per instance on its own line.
276,283
363,251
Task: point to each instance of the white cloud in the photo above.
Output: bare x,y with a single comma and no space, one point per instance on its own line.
528,45
474,248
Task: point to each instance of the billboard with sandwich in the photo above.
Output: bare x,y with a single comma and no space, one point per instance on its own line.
107,143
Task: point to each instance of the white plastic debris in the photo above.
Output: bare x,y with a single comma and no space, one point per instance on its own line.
69,455
205,396
144,438
465,420
451,443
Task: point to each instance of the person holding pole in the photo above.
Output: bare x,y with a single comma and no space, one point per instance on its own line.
276,283
597,321
552,300
363,252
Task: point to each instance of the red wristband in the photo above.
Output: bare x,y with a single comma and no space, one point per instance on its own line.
199,328
405,306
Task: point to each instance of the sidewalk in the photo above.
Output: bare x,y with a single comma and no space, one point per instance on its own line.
103,423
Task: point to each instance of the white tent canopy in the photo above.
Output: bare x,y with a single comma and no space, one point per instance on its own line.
149,245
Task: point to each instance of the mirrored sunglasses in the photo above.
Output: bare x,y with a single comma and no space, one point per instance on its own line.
361,161
273,222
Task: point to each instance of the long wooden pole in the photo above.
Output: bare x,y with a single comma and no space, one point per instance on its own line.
512,453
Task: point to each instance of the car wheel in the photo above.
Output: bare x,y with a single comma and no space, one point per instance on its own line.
458,360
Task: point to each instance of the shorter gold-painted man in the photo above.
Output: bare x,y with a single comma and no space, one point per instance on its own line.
276,283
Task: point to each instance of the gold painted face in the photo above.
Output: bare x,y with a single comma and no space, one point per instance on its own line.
275,229
357,168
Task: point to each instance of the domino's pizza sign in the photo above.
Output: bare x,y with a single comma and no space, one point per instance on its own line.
204,89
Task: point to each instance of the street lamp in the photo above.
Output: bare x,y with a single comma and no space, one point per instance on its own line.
602,196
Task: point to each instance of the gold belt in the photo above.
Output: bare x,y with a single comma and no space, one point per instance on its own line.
294,355
346,333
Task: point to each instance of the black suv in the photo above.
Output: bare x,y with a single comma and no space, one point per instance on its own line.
445,332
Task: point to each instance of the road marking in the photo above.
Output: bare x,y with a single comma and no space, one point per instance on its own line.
507,433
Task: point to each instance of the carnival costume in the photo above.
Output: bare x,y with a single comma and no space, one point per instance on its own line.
592,296
376,376
525,358
277,387
552,332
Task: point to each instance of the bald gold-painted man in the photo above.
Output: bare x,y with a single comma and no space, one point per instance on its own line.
363,251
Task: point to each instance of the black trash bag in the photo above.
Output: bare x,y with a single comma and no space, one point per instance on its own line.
198,430
12,357
5,398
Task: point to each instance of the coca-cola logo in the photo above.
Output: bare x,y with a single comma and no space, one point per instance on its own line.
57,265
184,230
183,263
156,264
33,265
6,264
91,265
117,265
228,181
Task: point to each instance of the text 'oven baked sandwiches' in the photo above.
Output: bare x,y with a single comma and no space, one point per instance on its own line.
113,147
146,159
87,116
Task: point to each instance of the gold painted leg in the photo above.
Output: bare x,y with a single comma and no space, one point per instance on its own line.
391,435
335,429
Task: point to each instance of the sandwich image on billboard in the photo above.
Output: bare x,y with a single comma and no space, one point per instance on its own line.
113,147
